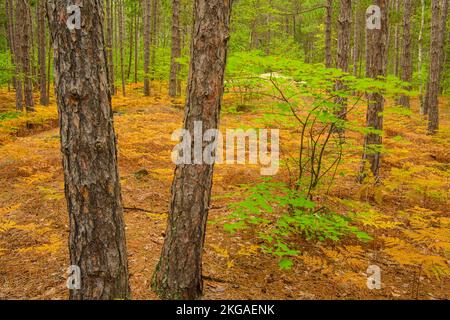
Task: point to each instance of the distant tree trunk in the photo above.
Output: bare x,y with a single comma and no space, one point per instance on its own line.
343,51
147,17
179,272
41,53
131,42
122,66
357,40
136,47
23,20
328,31
92,186
15,53
396,41
153,37
109,46
176,48
438,35
420,59
406,59
376,44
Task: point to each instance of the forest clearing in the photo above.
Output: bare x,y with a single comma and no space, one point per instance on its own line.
224,150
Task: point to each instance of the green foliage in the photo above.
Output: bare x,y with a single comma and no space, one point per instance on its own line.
283,216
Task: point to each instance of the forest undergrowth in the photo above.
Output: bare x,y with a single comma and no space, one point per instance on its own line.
406,215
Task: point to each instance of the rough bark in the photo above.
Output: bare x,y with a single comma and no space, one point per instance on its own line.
176,49
179,271
406,59
376,53
439,11
88,144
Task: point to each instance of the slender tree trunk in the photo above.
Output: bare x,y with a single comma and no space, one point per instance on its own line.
109,46
136,47
15,53
343,52
153,38
147,17
357,40
88,143
131,42
439,10
396,41
328,31
22,18
179,272
406,59
420,59
176,48
122,66
41,53
376,62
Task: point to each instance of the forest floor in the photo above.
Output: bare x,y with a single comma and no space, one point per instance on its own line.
407,215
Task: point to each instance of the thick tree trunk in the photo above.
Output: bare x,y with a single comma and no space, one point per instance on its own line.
42,57
147,10
176,48
406,59
179,271
439,11
88,143
376,44
343,51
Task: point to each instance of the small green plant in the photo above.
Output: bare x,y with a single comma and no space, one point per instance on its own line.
284,217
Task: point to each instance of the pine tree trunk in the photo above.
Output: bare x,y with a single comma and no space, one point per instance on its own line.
179,271
343,51
153,38
420,59
396,41
122,66
24,28
176,48
376,53
136,46
15,53
109,46
357,38
147,17
439,11
406,59
41,53
88,143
